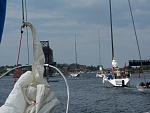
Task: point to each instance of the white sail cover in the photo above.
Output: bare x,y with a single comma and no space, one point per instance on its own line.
114,63
32,93
100,68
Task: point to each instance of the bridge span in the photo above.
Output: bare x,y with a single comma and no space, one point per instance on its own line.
138,62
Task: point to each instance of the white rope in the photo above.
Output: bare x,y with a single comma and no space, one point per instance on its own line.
67,86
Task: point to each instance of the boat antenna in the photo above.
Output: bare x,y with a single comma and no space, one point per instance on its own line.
136,39
111,30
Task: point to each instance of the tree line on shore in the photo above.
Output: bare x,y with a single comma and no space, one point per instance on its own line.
79,67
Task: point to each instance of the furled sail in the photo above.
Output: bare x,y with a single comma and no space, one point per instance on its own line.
32,93
2,16
114,63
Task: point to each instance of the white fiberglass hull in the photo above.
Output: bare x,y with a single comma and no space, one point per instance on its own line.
75,74
116,82
100,75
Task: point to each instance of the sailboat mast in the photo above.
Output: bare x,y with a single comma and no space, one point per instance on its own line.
111,30
99,49
75,51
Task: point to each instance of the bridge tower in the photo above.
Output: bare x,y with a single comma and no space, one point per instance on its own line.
48,53
49,58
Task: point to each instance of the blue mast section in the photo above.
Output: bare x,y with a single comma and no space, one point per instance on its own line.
2,16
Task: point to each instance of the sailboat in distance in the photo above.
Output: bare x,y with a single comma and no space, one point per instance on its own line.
114,77
75,73
100,73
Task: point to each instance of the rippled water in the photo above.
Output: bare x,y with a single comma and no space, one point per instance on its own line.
89,95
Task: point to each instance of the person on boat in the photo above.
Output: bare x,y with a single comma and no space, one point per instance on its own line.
109,75
118,73
124,74
145,85
141,84
127,74
114,73
115,66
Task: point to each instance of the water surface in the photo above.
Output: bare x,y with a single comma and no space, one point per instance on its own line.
89,95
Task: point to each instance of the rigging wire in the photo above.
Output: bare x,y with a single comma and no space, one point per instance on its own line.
138,46
22,11
27,32
16,71
18,58
26,10
24,18
136,39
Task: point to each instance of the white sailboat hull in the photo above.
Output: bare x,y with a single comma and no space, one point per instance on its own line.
100,75
75,74
116,82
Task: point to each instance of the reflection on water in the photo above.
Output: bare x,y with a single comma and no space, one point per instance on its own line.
89,95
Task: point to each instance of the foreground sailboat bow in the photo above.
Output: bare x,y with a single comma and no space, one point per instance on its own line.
32,93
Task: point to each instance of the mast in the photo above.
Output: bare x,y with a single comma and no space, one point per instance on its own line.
111,30
75,52
99,49
100,65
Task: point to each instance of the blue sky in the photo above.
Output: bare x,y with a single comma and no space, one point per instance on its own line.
59,20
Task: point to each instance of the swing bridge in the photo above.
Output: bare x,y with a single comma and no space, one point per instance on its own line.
49,58
48,53
139,62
